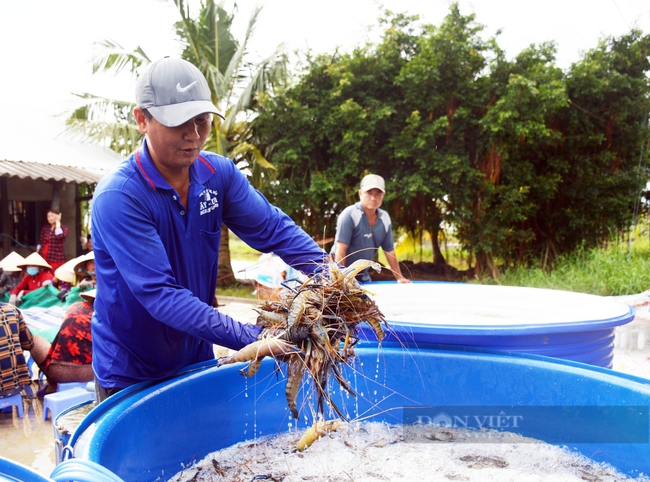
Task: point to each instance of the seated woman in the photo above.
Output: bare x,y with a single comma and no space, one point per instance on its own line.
38,273
85,271
69,357
15,339
78,272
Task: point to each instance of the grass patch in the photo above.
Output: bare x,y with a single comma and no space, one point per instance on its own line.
612,271
618,269
237,291
421,251
240,250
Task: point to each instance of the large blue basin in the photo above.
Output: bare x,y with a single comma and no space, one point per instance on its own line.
150,431
563,324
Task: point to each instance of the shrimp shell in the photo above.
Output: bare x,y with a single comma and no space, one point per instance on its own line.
295,372
272,317
359,265
374,322
316,431
271,346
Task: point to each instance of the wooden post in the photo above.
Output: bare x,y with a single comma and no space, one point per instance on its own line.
56,196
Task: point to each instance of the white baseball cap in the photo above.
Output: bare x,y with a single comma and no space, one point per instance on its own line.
372,181
174,91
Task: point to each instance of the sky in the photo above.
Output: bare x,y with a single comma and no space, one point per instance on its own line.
46,46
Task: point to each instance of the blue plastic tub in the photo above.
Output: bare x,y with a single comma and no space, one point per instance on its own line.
562,324
11,471
62,439
74,469
150,431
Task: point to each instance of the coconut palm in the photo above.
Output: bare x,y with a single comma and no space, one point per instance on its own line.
235,82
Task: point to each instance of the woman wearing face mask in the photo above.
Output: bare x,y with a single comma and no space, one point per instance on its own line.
38,273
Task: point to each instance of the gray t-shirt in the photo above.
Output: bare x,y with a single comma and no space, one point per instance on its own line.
353,229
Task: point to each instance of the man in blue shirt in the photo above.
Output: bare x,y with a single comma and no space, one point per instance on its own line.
156,230
363,228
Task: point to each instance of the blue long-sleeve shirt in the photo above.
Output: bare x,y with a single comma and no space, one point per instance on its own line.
156,264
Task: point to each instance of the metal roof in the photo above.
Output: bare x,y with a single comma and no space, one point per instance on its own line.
50,155
49,172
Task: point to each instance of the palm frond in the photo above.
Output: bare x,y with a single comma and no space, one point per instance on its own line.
117,136
188,32
233,73
264,75
217,82
115,59
102,109
248,157
104,121
235,83
218,141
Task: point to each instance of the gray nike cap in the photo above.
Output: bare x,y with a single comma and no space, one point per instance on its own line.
174,91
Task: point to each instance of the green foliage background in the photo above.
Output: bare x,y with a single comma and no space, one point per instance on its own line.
525,161
517,162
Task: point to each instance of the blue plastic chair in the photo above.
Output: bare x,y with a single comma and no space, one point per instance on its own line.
57,402
62,386
30,366
16,400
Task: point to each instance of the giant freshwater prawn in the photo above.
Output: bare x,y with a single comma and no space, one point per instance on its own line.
318,322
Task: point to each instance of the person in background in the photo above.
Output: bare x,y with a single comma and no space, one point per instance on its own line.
157,221
52,240
271,273
363,228
15,338
10,274
38,273
69,357
86,244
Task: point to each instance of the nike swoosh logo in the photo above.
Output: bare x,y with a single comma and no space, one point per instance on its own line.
182,90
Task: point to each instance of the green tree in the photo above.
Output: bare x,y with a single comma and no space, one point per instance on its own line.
445,90
604,148
562,154
407,109
519,139
234,78
334,126
527,162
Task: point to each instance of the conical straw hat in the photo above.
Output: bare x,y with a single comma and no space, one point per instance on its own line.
89,295
85,257
65,272
10,262
34,259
